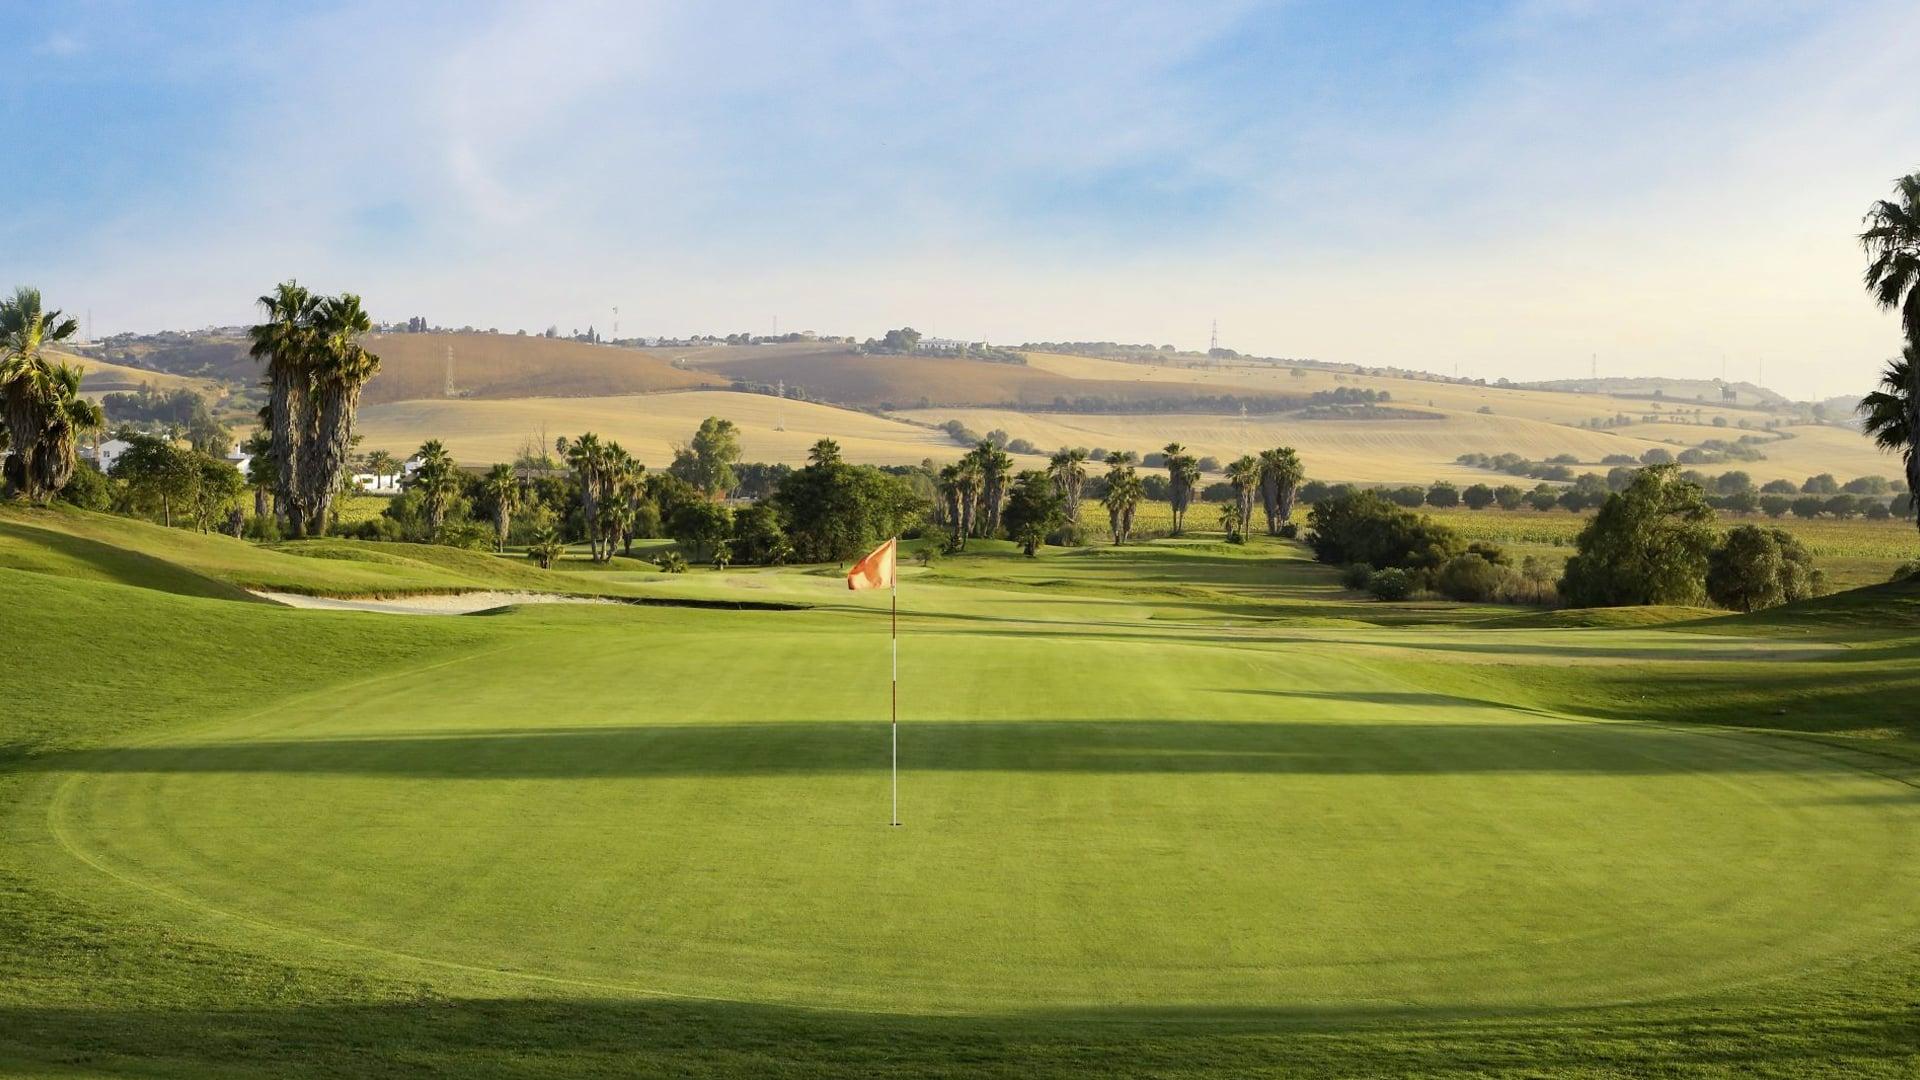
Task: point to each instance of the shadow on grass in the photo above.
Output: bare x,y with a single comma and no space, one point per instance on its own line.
1306,747
522,1038
126,567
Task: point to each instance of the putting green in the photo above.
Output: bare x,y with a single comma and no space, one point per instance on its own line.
694,803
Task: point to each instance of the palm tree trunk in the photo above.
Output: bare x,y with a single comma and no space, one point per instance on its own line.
326,458
287,401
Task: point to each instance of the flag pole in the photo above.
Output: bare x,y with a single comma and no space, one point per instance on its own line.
895,634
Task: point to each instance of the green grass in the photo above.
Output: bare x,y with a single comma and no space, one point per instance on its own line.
1178,809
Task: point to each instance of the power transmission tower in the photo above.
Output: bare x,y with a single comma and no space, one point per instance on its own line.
450,391
616,323
1213,338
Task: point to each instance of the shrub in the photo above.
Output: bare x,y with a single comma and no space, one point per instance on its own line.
1754,568
1360,526
1443,494
1289,531
1477,497
1390,584
1355,576
1906,570
671,562
1470,578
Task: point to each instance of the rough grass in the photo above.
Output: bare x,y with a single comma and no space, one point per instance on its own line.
1171,810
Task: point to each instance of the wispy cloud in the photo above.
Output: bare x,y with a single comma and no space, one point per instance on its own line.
1508,189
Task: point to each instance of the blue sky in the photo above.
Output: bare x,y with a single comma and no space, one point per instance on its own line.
1506,188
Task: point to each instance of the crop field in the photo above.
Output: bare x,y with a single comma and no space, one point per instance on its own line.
1354,451
650,426
1179,808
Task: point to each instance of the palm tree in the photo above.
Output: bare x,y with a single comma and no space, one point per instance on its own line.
1244,475
285,341
620,477
586,457
262,469
1892,240
1069,471
340,369
503,488
1122,496
948,485
1891,415
31,387
1182,473
967,479
382,463
1280,476
546,548
824,452
994,466
69,416
437,480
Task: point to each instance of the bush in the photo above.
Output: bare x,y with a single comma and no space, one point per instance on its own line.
1470,578
1477,497
1390,584
1360,526
1355,576
1755,568
1906,570
87,488
671,562
1289,531
1443,494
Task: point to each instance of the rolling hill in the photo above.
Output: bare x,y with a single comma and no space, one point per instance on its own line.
510,388
650,425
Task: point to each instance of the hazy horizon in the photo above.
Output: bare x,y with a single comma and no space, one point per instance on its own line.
1505,189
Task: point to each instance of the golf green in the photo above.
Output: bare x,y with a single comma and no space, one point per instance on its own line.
623,802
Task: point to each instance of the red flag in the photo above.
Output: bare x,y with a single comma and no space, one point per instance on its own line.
876,570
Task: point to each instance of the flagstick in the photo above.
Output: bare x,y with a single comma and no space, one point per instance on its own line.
896,689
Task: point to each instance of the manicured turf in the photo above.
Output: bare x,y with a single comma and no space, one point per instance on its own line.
1147,830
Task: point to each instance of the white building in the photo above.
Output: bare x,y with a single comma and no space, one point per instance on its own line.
105,454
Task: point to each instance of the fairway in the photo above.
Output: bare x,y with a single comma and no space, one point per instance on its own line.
1171,784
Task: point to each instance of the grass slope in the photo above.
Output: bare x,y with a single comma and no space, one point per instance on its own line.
1159,821
75,543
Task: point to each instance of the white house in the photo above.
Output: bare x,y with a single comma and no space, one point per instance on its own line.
105,454
377,483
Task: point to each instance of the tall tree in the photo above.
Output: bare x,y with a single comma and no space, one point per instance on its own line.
1892,243
34,391
993,466
947,485
1244,475
1281,474
1068,468
587,457
1122,497
1891,415
437,480
1183,473
284,340
503,491
708,463
339,369
824,452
